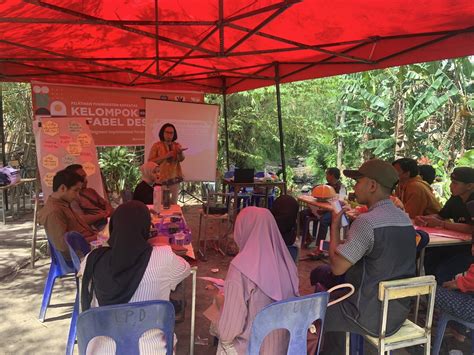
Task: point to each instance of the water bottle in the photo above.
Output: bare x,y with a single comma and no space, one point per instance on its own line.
157,198
166,198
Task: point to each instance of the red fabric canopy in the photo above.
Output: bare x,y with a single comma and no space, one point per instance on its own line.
209,45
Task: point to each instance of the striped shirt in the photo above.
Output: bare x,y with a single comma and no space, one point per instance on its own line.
164,272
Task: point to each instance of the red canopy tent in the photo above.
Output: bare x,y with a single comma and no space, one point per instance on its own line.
218,46
215,44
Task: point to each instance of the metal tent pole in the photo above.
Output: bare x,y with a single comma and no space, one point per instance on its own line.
2,128
280,122
224,96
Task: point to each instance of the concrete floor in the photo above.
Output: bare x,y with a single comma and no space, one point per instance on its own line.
21,291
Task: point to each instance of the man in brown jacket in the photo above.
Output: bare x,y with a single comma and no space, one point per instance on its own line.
415,194
57,215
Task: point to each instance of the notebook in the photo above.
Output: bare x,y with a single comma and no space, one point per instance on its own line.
244,175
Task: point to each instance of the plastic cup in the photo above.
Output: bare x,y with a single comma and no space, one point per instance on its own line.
179,238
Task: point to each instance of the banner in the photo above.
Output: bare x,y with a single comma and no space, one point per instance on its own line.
61,142
117,116
196,127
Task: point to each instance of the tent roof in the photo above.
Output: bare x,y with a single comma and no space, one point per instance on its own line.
205,45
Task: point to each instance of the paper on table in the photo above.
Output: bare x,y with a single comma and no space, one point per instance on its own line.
212,313
445,233
219,283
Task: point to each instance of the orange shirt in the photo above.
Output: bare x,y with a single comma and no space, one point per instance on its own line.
417,197
170,169
466,283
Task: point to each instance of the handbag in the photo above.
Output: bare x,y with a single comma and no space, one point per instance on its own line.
314,331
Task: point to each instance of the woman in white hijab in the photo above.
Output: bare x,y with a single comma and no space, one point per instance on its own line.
263,272
144,190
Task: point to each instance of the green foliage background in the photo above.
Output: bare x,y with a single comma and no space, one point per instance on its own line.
423,111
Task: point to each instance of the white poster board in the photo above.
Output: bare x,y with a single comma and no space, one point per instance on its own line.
64,141
196,126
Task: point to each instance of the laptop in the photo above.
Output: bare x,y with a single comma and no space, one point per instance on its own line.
244,175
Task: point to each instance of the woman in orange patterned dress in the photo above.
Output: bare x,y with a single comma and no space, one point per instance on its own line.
168,154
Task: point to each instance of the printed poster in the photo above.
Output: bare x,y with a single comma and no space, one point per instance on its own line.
64,141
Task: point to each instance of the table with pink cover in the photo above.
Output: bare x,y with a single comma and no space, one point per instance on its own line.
164,218
440,237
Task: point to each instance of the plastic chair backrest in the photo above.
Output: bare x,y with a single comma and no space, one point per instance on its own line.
294,314
58,259
423,241
229,174
76,242
125,323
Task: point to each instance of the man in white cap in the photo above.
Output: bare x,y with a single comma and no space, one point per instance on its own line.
380,246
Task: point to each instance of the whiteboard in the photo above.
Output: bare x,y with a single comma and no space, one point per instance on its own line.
196,126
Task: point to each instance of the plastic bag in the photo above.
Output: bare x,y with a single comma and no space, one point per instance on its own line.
14,175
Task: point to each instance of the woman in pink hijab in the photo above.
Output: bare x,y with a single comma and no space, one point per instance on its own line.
263,272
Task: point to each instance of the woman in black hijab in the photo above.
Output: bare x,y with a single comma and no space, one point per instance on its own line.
285,211
131,270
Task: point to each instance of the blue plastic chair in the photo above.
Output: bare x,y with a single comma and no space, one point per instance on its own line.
75,242
59,268
442,322
229,174
294,314
293,249
243,198
125,323
255,200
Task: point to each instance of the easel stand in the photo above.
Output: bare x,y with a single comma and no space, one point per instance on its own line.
185,196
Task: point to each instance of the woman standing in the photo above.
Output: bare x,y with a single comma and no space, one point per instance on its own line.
168,154
263,272
130,270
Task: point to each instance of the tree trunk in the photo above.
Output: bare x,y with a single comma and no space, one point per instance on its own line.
367,153
454,134
400,139
340,121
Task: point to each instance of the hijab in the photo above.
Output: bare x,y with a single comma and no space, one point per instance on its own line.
285,210
264,257
148,173
114,273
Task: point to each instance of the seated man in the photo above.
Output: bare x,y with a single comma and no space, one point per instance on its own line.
89,204
57,215
447,262
427,173
380,246
333,176
415,193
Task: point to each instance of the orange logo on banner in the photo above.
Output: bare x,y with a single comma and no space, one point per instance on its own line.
74,148
48,179
50,128
89,168
50,161
84,139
